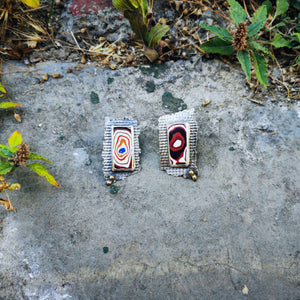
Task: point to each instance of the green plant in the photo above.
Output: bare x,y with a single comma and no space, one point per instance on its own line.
4,105
245,40
14,155
286,33
138,13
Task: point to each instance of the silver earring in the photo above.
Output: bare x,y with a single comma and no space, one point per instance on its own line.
177,144
121,150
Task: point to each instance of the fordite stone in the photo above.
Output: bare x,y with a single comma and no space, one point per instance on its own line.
179,148
177,143
122,148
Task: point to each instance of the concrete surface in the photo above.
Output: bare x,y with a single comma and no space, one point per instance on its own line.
167,237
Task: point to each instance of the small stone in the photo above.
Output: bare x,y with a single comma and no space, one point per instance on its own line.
39,110
169,14
94,98
105,250
205,103
231,149
114,189
245,290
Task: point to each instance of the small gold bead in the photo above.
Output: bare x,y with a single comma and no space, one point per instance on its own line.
108,182
112,177
194,177
191,172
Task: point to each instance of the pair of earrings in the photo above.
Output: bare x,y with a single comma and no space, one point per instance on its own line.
177,146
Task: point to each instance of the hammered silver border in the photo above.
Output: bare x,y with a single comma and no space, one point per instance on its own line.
107,148
186,116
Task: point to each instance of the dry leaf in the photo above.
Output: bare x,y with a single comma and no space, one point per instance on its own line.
130,59
83,30
83,60
7,204
18,117
32,44
162,21
55,75
151,54
178,5
70,70
112,66
45,77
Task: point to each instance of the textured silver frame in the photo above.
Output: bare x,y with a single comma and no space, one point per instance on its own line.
107,148
186,116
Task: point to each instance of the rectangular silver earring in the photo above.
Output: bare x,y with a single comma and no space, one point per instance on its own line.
121,150
177,144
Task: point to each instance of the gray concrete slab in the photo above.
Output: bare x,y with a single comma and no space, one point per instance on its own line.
168,238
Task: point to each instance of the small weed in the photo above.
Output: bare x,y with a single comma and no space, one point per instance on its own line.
139,13
14,155
247,40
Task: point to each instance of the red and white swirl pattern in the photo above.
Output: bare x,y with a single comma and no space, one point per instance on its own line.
122,148
178,141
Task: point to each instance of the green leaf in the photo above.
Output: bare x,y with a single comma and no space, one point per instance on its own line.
5,168
260,66
32,3
5,152
42,171
244,59
281,7
278,41
221,33
9,104
237,13
137,24
298,60
15,139
39,157
269,6
216,45
259,15
255,27
2,89
156,33
257,46
4,147
123,5
296,37
281,24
